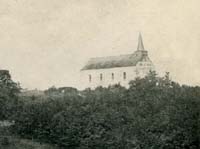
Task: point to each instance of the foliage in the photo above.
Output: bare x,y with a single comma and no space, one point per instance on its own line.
8,95
153,113
66,91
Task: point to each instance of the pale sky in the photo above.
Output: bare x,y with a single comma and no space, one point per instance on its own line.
46,42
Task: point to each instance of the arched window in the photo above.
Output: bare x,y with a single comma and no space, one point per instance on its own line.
124,75
90,78
113,77
101,77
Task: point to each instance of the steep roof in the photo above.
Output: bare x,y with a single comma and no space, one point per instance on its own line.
116,61
140,43
119,61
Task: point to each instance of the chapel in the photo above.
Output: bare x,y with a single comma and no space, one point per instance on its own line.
105,71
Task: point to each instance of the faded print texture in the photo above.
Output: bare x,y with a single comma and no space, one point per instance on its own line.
45,43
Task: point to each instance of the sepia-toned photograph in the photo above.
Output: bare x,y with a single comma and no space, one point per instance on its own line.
99,74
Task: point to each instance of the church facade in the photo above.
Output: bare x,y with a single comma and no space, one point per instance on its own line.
105,71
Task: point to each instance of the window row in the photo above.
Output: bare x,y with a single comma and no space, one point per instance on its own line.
112,76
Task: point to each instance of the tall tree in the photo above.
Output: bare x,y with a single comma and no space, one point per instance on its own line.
8,94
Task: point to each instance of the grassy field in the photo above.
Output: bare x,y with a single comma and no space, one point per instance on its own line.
8,141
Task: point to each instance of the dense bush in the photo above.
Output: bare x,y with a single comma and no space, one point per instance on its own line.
8,95
153,113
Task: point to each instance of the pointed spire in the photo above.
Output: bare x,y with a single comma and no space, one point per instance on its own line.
140,43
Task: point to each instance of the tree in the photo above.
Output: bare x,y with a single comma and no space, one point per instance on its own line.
8,95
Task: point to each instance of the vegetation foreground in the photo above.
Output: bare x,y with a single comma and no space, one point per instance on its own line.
154,113
16,143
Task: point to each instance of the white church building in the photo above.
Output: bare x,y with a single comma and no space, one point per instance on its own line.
105,71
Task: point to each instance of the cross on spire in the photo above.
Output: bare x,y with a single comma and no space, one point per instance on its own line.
140,43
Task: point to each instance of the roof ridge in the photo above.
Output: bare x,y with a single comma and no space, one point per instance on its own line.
112,56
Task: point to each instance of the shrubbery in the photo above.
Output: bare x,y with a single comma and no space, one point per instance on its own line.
153,113
8,95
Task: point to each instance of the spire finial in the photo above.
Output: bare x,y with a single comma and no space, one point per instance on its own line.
140,43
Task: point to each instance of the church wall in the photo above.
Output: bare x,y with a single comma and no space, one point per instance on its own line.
122,75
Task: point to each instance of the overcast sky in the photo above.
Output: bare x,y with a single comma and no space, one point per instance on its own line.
47,42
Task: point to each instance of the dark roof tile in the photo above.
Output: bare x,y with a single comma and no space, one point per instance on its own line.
116,61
